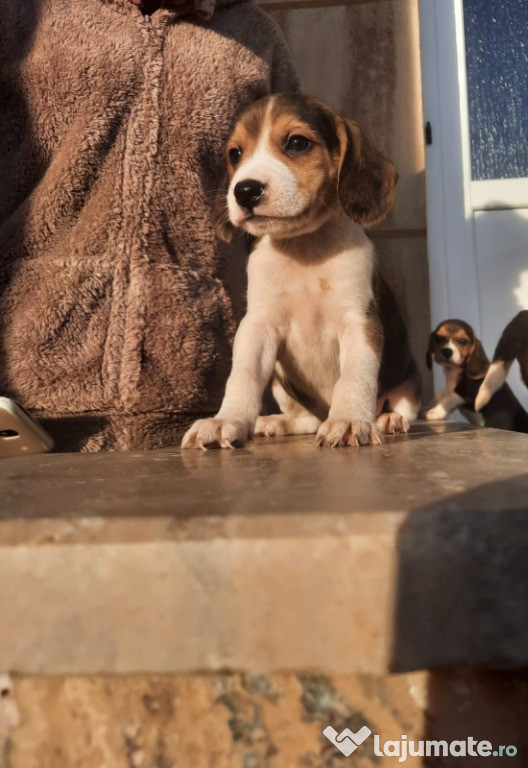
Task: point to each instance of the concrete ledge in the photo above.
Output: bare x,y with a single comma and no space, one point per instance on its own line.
281,556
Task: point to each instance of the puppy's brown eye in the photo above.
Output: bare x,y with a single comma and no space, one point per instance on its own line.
298,144
463,342
234,155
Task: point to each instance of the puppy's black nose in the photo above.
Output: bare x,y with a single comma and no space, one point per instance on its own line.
447,353
248,193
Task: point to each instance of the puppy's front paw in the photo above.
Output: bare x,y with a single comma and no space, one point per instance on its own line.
392,423
271,426
337,432
436,414
217,433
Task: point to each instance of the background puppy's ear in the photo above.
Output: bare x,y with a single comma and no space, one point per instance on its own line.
366,179
429,353
478,363
220,215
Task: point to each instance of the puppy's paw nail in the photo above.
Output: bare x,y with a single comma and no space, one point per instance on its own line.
341,432
392,423
333,432
376,438
216,433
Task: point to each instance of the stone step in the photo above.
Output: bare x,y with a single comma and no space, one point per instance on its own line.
279,556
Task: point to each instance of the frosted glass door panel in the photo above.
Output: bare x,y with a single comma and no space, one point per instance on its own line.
496,38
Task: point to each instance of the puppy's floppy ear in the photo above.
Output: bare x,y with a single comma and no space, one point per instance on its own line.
366,179
430,350
220,215
478,363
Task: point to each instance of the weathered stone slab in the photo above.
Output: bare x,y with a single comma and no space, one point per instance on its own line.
280,556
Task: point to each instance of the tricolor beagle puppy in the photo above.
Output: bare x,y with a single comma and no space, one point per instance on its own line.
513,345
305,182
454,346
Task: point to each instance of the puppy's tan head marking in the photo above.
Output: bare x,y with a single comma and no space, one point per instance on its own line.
454,344
292,161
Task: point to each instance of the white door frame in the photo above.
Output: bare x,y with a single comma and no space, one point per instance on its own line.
450,225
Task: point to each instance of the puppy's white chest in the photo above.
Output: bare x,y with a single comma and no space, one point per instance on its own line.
309,304
309,294
310,349
310,310
309,352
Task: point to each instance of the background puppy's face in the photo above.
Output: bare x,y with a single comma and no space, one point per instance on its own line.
292,161
453,344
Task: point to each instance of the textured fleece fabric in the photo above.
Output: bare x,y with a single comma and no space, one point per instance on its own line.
118,304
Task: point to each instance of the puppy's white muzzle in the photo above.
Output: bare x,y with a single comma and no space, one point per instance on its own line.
280,197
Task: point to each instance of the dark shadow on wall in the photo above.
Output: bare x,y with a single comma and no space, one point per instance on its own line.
462,612
404,265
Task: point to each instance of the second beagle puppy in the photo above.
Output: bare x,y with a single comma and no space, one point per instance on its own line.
454,346
304,182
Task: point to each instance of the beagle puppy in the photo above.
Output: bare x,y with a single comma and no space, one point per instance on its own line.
454,346
320,322
513,345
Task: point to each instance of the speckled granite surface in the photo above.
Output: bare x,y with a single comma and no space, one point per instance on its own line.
258,721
